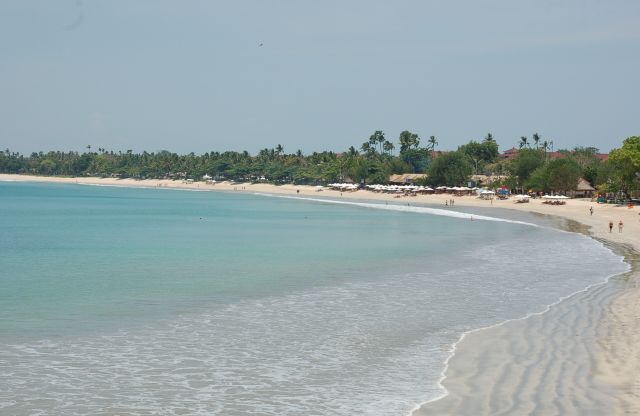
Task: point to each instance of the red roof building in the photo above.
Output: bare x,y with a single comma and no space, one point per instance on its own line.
513,152
510,154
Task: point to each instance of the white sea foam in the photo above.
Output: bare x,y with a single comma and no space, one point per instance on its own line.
405,208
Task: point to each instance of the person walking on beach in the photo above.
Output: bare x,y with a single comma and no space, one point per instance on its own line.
591,211
610,226
620,225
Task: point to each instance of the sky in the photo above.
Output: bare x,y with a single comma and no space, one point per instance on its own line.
197,76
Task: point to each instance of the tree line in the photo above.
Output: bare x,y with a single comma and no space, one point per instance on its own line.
534,167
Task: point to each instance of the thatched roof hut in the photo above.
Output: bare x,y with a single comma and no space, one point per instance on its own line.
583,189
406,178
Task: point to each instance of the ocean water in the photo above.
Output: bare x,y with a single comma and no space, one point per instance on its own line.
156,301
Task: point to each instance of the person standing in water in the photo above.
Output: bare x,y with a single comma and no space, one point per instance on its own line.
610,226
620,225
591,211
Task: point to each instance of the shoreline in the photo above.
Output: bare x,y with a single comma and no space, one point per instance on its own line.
457,398
615,351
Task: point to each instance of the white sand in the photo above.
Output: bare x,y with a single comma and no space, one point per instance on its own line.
580,358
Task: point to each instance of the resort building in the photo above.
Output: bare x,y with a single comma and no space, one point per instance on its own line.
513,152
509,154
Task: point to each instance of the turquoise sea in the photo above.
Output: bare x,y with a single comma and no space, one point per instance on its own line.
155,301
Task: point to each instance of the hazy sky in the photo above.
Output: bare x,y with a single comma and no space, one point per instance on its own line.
190,75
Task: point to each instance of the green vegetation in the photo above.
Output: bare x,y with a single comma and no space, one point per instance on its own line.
624,173
450,169
559,175
533,167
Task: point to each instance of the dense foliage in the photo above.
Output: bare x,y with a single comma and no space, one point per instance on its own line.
624,172
532,168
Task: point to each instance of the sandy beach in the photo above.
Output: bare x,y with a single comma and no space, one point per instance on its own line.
580,357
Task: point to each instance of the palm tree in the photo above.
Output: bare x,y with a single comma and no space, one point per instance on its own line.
545,147
536,139
377,139
489,138
524,142
408,140
432,143
279,149
352,151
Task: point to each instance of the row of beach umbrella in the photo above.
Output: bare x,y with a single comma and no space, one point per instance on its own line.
425,189
555,197
400,188
343,186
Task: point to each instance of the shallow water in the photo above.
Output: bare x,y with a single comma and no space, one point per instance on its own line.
134,301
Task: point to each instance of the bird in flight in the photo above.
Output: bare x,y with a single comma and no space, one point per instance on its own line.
260,44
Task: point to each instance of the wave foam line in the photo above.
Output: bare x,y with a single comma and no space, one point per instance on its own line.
406,208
